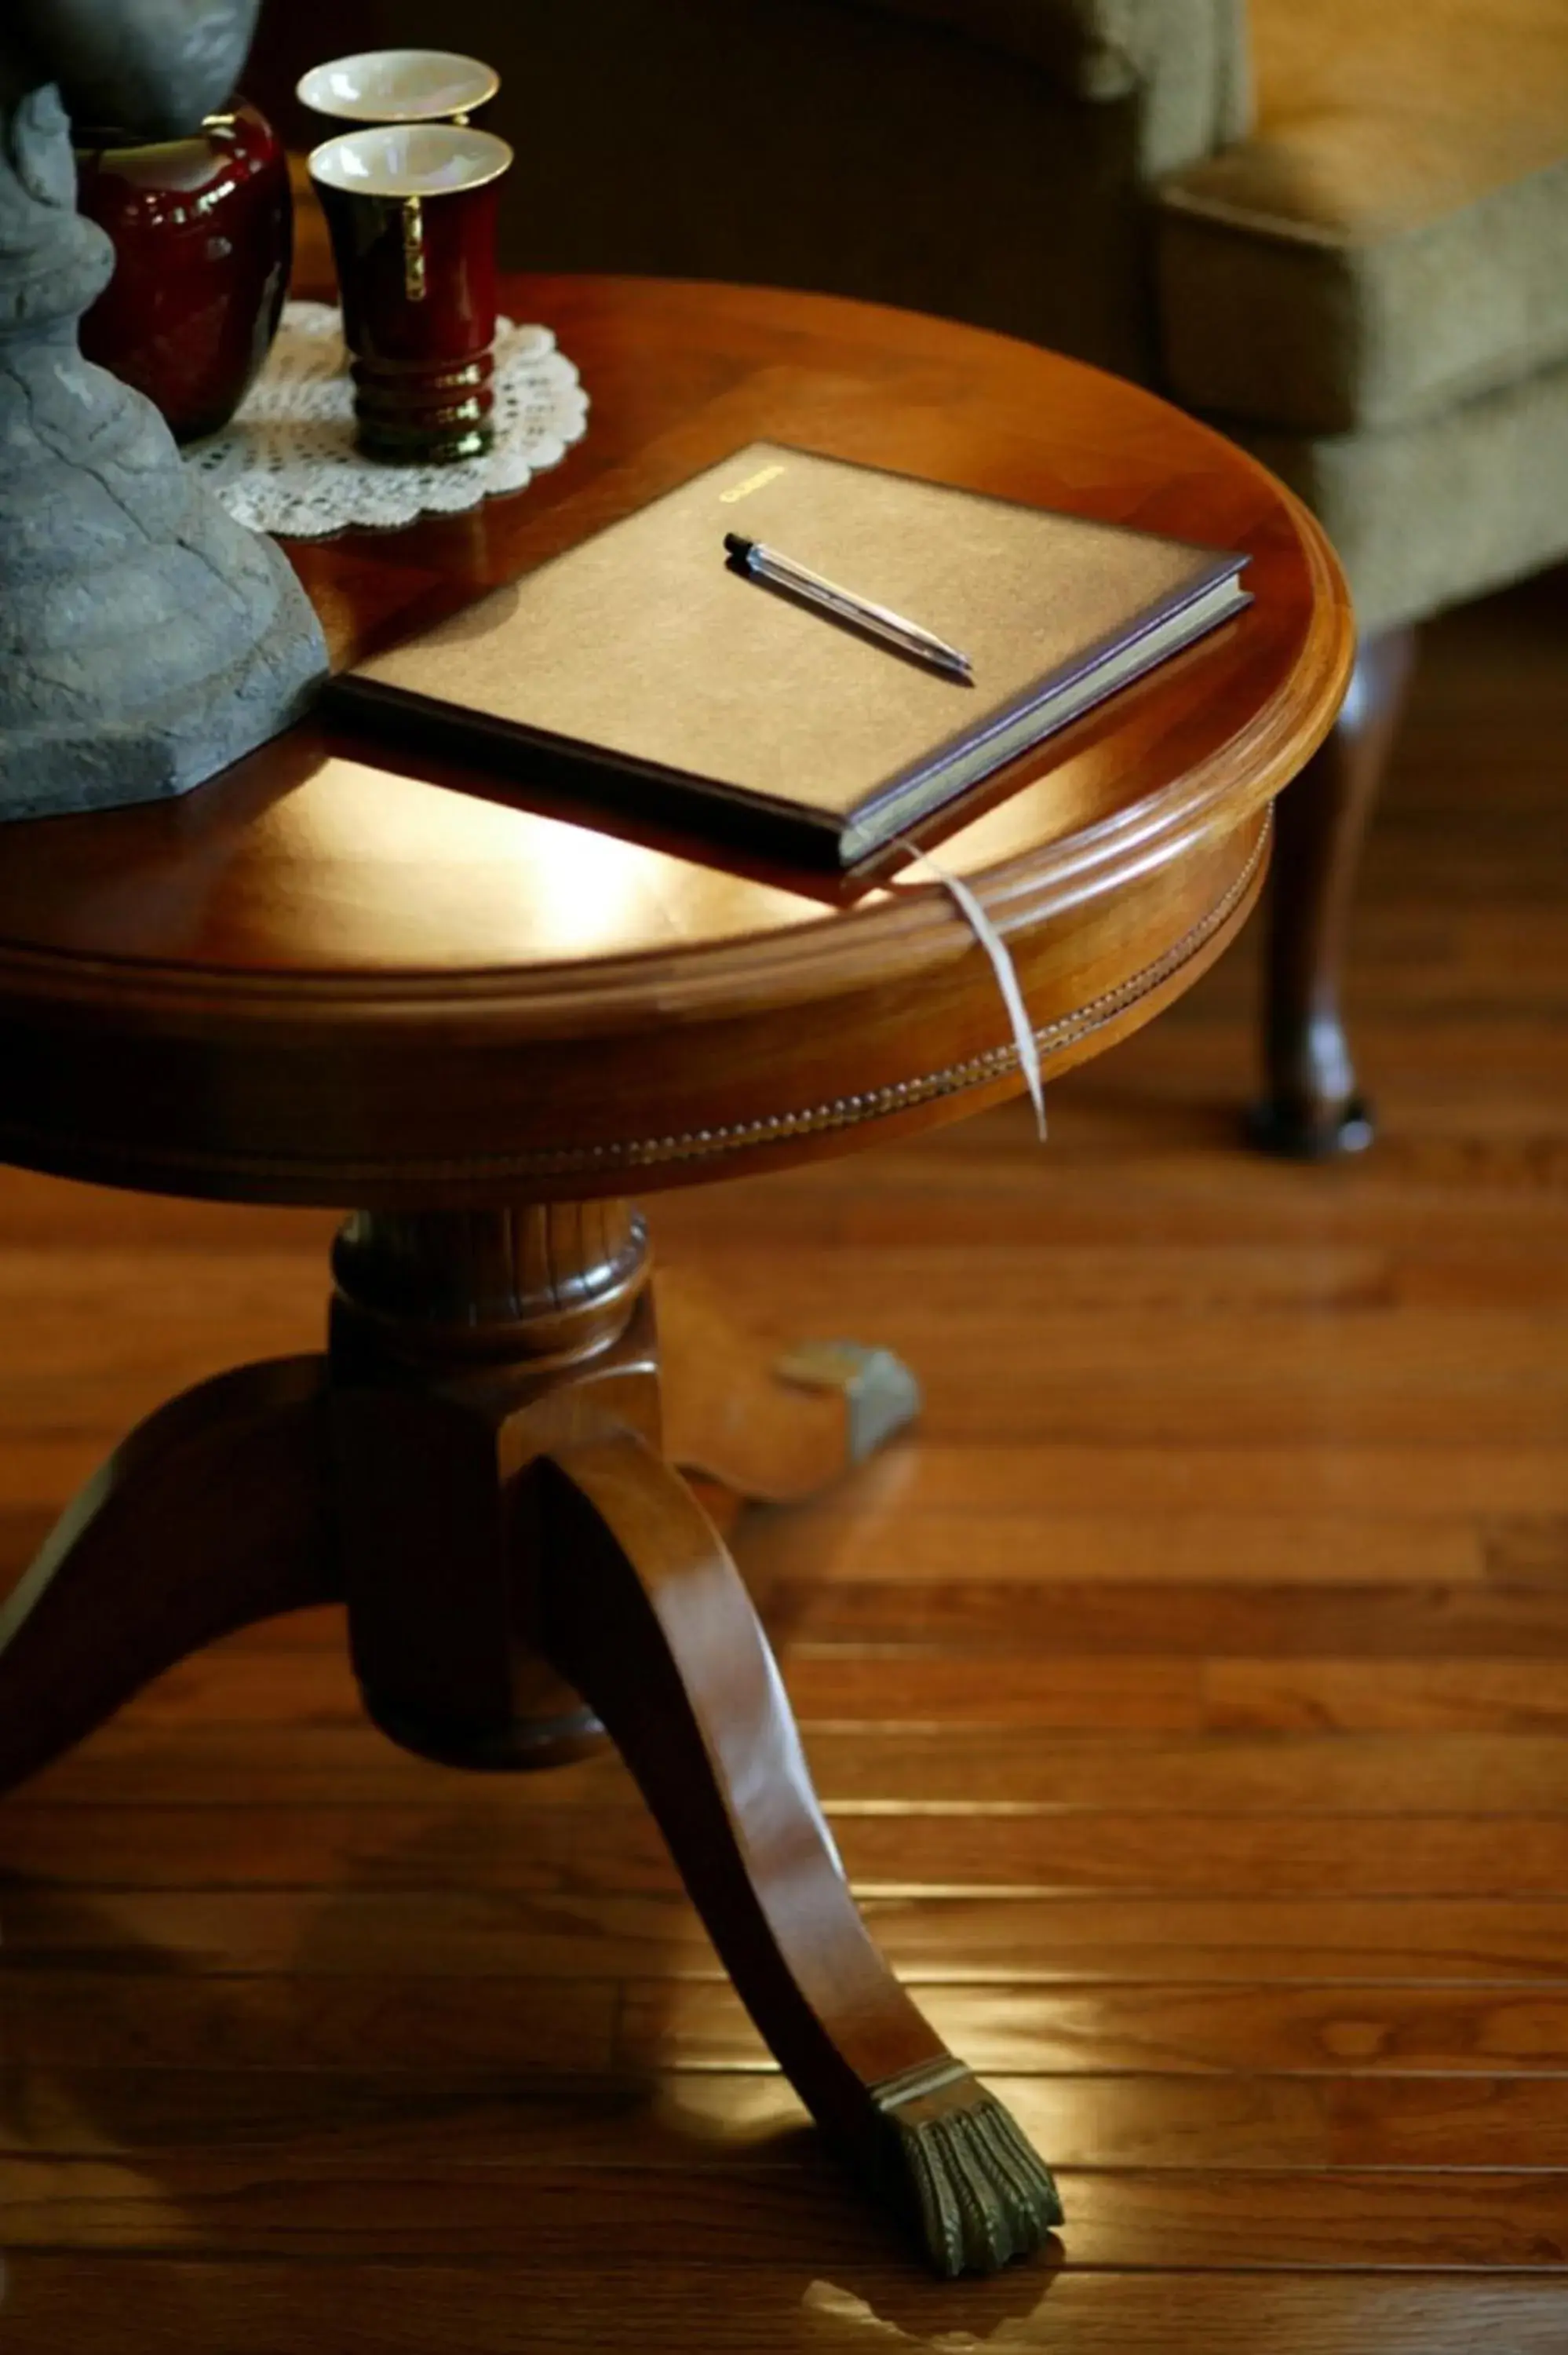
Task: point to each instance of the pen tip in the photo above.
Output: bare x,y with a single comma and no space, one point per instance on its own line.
737,545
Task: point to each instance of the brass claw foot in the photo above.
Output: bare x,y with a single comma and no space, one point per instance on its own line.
982,2194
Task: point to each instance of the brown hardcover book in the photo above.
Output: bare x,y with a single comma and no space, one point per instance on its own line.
641,665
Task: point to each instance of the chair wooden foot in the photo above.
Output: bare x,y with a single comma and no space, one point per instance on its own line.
638,1606
213,1513
1312,1109
771,1429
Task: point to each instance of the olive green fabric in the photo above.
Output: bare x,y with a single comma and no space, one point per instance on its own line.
1424,516
1393,236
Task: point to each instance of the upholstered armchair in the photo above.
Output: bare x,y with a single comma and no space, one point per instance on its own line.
1338,227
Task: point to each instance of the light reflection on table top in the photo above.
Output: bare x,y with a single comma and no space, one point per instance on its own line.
372,867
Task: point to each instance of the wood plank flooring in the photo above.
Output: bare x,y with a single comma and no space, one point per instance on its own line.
1189,1698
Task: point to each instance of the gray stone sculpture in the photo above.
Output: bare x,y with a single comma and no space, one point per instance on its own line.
146,639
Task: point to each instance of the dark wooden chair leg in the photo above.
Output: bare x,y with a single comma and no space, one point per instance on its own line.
1312,1109
639,1606
774,1431
213,1513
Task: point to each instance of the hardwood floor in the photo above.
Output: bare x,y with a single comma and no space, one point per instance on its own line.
1189,1698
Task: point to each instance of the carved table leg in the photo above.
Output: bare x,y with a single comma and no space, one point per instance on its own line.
523,1564
639,1605
213,1513
1313,1109
476,1470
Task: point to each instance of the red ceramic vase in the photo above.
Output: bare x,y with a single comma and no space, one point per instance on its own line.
203,235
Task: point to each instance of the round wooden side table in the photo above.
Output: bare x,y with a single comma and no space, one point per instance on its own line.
342,974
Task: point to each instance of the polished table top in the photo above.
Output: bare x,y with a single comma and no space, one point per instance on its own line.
341,973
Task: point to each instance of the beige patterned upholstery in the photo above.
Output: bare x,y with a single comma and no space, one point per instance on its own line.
1372,287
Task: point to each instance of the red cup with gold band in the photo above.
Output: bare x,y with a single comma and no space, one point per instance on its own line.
411,208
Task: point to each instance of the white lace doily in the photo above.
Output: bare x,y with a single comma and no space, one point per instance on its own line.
287,461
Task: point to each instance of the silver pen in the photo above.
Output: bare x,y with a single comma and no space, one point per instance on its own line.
761,563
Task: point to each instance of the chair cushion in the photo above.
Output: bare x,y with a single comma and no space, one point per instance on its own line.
1395,235
1426,514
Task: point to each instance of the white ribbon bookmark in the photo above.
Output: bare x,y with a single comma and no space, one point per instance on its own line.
1001,964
